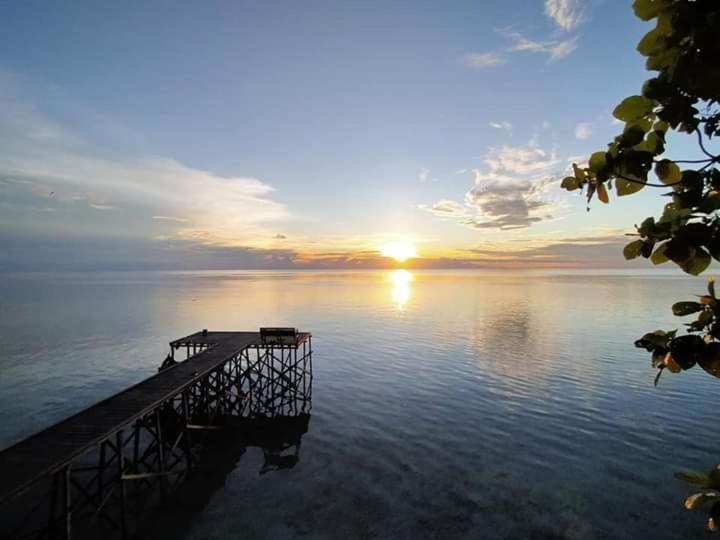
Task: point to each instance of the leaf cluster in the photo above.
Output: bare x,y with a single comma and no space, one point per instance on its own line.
683,97
700,346
708,498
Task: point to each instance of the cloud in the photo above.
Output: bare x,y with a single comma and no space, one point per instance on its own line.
279,237
516,160
483,60
555,49
46,158
504,125
603,250
33,252
446,209
567,14
583,130
512,191
504,204
170,218
424,175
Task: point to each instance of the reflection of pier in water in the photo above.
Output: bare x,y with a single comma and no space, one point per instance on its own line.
97,472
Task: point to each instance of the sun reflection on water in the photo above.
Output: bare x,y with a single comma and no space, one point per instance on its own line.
400,280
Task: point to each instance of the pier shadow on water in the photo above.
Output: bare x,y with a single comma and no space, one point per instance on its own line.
279,439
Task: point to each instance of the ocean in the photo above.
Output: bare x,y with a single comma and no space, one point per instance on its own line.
446,404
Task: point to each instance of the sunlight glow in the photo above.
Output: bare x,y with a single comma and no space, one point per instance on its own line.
400,251
400,286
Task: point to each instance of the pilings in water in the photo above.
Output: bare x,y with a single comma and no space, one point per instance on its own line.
96,470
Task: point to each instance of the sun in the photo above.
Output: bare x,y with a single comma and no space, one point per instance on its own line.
400,251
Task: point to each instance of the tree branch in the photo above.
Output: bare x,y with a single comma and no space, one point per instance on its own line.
649,184
702,146
706,160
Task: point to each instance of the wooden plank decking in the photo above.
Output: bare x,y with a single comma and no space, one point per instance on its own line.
53,448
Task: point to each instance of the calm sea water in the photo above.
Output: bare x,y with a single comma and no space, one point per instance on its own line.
445,405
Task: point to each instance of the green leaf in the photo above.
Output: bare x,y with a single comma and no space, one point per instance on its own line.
655,340
626,187
633,107
647,226
659,256
693,477
668,172
652,144
680,309
648,9
674,213
643,123
697,263
650,43
579,173
661,126
715,477
632,250
664,25
597,162
633,134
667,59
710,361
570,183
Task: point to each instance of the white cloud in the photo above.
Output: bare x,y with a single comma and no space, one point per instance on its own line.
513,190
424,175
446,209
509,161
170,218
504,125
225,210
483,60
583,130
567,14
555,49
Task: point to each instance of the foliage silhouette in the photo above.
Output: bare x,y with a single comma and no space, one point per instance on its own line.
683,98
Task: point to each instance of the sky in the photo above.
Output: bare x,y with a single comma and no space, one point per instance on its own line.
202,135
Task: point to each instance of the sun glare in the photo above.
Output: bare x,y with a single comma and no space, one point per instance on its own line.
400,280
400,251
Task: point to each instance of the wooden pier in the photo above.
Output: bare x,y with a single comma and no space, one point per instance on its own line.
85,471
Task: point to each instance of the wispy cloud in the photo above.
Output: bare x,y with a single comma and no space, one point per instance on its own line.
171,218
101,206
555,49
47,158
504,125
483,60
583,130
602,250
423,175
446,209
567,14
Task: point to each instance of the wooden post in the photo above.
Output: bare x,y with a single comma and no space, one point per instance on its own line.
121,480
161,451
67,503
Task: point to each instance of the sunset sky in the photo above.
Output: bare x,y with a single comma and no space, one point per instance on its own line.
309,134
